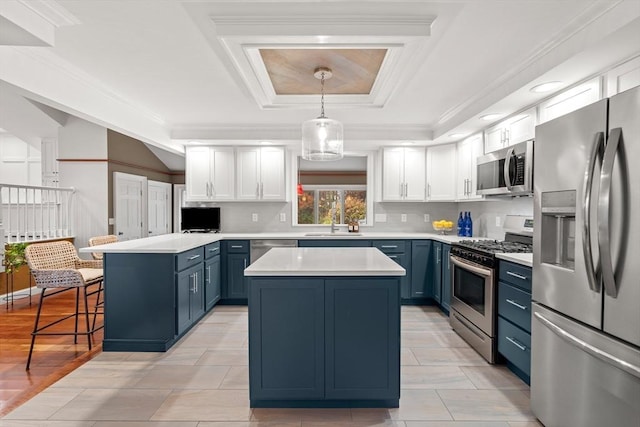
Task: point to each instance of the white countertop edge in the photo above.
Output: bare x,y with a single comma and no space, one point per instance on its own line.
324,273
180,242
525,259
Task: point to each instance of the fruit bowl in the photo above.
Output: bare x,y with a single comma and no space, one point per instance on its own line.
443,226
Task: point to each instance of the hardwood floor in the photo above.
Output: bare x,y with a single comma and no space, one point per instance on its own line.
53,356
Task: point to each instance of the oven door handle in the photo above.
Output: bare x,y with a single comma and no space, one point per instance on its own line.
478,270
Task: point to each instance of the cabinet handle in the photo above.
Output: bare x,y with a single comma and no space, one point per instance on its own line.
401,190
193,288
406,190
262,190
516,275
419,293
191,258
389,246
213,250
245,263
428,190
438,256
506,136
393,256
258,190
520,306
208,274
197,281
516,343
213,190
236,246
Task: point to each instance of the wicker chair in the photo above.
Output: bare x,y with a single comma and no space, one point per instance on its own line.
101,240
56,268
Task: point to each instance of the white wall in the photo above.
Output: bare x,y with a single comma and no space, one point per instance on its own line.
20,162
485,213
82,151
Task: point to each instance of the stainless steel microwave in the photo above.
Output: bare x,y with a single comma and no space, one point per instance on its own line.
507,172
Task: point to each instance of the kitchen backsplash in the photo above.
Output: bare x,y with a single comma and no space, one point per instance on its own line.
488,215
238,217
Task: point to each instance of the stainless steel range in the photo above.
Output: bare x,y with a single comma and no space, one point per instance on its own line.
474,283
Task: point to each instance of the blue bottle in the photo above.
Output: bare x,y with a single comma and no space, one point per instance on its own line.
468,225
460,225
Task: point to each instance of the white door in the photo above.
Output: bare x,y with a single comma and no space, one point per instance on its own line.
468,152
414,174
128,203
158,208
179,197
272,173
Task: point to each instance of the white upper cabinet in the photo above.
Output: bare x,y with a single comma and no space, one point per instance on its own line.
516,129
623,77
441,173
403,175
209,173
261,173
570,100
468,152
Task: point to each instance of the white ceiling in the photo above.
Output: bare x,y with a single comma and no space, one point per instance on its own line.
170,72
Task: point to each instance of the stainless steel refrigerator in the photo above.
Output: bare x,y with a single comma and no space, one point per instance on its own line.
585,362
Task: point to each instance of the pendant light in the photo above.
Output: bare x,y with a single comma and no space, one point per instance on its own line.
322,137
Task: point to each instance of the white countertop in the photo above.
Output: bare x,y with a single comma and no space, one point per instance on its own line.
519,258
324,262
179,242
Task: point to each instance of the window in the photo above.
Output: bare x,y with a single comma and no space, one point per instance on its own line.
316,203
334,190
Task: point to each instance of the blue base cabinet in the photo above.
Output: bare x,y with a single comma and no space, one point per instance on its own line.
235,260
334,243
422,271
514,317
400,252
152,299
212,283
445,300
316,342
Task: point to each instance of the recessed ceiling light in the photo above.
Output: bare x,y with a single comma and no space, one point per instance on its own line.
545,87
491,116
457,135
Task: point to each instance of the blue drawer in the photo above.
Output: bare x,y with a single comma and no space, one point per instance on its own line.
390,246
515,274
212,249
515,345
238,246
515,305
189,258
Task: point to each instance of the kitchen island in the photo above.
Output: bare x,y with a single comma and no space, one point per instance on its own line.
324,328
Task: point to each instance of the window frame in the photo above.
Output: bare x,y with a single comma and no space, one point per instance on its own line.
341,190
295,164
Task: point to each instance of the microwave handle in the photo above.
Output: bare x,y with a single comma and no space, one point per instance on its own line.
507,163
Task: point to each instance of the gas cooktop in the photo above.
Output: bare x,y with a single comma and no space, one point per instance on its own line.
496,246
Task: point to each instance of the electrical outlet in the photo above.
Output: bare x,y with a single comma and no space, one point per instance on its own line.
283,217
427,217
254,217
403,217
497,221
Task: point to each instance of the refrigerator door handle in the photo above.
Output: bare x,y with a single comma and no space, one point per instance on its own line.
604,233
592,270
507,164
588,348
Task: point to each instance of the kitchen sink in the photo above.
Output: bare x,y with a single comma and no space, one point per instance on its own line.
336,234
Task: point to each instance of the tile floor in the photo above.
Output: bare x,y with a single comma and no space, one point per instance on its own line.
203,382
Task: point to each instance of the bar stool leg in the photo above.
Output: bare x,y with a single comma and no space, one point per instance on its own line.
35,327
95,307
86,317
75,335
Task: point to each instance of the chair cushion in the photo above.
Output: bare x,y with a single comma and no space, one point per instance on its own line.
90,275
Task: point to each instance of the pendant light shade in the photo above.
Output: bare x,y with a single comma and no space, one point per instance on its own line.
322,137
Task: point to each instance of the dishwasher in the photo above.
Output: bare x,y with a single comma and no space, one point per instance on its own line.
260,247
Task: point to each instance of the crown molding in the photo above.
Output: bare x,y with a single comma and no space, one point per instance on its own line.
52,11
513,78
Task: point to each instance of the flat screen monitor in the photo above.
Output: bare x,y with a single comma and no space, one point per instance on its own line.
204,220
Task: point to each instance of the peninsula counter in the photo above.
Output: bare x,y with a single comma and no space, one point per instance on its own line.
324,328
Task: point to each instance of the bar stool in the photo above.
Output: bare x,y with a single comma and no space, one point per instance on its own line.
95,241
56,268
